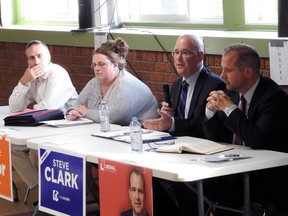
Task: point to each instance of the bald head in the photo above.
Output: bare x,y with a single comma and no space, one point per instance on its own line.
192,41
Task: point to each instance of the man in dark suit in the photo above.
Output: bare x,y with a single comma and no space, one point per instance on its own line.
185,116
137,194
188,57
262,125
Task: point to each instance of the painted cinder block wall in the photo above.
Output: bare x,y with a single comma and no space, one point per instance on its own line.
152,67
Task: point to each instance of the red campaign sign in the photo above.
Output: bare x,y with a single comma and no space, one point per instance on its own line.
6,190
122,191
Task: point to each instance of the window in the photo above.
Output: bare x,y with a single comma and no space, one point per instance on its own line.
52,12
177,11
234,15
204,14
261,12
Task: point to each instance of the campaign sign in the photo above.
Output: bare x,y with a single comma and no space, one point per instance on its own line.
61,181
132,184
6,186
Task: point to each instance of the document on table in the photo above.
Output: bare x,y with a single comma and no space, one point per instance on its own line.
222,157
67,123
124,135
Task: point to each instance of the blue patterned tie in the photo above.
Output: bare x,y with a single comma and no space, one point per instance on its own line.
237,140
182,101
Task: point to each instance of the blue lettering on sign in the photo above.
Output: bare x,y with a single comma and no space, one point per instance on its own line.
62,182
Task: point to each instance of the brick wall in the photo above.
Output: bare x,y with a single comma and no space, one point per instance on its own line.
153,68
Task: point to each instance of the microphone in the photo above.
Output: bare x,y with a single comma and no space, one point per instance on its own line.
166,92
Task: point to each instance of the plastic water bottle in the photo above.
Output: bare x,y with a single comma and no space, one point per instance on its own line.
104,117
135,135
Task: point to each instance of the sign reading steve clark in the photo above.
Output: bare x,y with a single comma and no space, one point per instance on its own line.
61,182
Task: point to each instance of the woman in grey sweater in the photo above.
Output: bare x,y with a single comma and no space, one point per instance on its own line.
125,95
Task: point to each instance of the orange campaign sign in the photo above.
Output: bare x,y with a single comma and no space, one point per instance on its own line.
124,189
6,186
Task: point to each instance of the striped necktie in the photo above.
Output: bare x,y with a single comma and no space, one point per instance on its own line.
182,100
237,140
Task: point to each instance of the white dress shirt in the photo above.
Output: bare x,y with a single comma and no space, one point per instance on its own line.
192,82
52,91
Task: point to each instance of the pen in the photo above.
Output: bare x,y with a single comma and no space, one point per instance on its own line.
172,142
143,132
232,155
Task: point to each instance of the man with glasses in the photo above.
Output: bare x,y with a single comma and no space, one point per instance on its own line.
44,85
184,117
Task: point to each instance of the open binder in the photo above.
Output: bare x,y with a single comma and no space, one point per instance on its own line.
32,117
123,135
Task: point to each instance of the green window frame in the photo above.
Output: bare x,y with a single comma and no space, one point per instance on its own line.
234,20
17,17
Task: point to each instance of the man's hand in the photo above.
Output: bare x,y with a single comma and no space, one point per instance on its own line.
218,100
161,124
167,109
32,73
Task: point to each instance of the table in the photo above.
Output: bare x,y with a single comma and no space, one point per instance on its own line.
171,166
18,135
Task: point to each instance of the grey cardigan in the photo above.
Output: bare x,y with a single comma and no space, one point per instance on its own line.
126,97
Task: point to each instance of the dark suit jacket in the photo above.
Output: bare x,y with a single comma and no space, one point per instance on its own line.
193,125
129,212
266,126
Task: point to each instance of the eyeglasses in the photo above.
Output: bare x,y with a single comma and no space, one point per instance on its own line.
153,145
184,53
100,65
